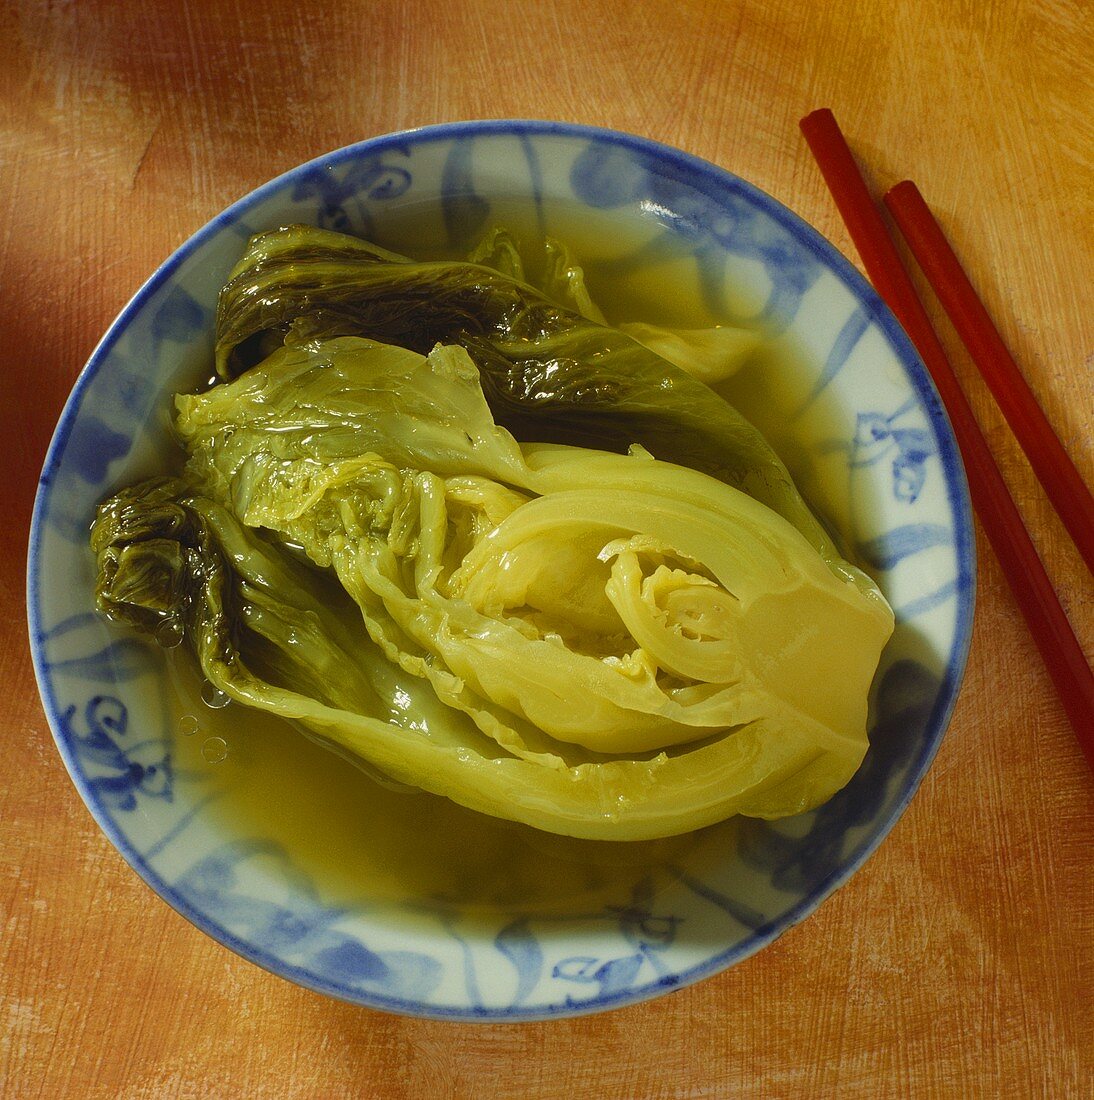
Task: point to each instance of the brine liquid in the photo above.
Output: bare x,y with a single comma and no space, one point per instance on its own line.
358,838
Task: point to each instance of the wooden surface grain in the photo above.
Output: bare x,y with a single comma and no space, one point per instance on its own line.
960,960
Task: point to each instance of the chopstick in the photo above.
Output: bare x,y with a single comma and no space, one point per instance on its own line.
1062,483
1033,592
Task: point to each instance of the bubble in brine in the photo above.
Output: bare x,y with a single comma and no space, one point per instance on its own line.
214,749
188,725
170,633
213,697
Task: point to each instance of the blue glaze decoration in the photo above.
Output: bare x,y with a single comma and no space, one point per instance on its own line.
135,389
943,594
180,827
877,437
611,978
353,962
617,975
606,176
736,908
467,960
69,626
902,542
649,931
305,930
115,661
243,229
640,924
465,211
93,446
854,328
535,178
577,968
518,944
179,318
343,199
142,768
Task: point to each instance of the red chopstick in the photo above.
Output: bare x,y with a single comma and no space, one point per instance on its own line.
1033,592
1062,483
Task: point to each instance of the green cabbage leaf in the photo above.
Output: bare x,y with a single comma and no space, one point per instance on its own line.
708,354
551,372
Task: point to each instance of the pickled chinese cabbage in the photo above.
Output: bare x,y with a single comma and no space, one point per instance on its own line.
550,373
604,645
709,354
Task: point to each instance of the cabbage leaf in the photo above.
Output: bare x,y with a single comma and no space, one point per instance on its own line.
708,354
597,644
549,373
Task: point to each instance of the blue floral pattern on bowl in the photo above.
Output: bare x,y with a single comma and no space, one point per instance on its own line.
901,506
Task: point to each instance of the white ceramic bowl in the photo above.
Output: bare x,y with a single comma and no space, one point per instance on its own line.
602,926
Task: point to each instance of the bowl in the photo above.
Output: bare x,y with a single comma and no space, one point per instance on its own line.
406,902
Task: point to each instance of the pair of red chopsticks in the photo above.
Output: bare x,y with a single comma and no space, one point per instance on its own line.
1060,649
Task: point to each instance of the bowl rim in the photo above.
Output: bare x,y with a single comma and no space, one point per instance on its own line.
696,171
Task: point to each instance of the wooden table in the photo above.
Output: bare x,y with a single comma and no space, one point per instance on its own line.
960,960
